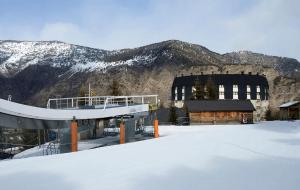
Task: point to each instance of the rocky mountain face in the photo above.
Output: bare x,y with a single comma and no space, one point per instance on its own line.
32,72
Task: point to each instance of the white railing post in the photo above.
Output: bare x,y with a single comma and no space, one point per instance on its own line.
126,101
142,99
48,104
105,103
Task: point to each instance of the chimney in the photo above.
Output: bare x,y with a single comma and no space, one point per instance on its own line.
201,73
257,73
242,72
227,72
250,73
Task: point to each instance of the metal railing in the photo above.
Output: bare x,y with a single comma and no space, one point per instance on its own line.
101,101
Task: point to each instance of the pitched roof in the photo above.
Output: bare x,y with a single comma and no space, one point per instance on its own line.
219,105
288,104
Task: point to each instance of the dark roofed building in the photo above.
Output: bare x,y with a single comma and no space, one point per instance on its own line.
228,86
223,87
220,111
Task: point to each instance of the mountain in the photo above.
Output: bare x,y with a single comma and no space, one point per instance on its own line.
33,71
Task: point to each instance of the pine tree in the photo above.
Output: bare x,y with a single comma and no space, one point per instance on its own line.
115,88
268,115
211,89
198,94
186,110
81,102
173,114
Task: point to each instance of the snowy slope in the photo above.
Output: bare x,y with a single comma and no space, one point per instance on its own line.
261,156
16,56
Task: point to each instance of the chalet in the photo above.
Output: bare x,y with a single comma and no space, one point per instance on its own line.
254,88
220,111
290,110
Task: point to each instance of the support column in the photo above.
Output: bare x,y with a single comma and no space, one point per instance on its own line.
122,133
156,135
74,139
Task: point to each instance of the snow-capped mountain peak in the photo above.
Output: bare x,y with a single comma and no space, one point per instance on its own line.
16,56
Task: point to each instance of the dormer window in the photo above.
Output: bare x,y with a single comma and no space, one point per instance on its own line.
183,93
258,92
235,92
221,92
248,92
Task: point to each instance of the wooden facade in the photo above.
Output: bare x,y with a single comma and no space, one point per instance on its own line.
220,111
214,117
290,112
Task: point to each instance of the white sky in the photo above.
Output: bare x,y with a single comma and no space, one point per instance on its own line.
265,26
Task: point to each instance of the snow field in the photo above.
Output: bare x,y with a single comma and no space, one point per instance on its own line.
260,156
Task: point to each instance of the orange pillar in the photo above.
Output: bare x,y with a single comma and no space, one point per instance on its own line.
74,140
156,135
122,133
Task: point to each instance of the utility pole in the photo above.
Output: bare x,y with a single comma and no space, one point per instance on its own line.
90,94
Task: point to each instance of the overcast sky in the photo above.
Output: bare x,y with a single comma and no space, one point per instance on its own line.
265,26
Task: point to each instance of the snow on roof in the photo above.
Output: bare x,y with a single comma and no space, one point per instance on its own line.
288,104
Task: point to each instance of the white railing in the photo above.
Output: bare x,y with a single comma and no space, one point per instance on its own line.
100,101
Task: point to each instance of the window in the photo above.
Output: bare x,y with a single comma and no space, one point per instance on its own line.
248,88
221,92
176,97
248,96
221,88
257,88
193,91
258,92
235,91
205,92
258,96
221,96
183,92
248,92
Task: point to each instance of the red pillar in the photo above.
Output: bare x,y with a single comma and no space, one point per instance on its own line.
74,139
122,133
156,135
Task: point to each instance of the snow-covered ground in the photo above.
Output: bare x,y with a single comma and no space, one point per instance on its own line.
82,145
234,157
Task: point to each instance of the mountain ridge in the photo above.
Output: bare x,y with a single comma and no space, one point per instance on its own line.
13,59
33,71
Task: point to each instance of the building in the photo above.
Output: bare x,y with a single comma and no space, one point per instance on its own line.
227,87
290,110
220,111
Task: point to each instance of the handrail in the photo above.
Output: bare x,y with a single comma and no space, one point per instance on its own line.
105,101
